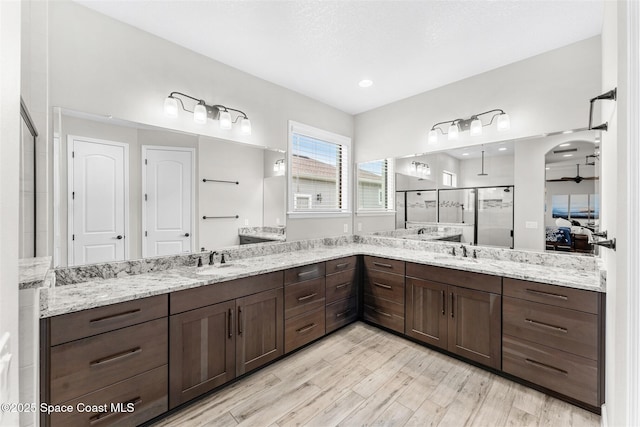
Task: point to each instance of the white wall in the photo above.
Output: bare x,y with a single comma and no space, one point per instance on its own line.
499,169
102,66
545,93
10,24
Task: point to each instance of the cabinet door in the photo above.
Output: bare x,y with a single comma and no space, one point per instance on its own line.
474,325
426,312
201,351
260,329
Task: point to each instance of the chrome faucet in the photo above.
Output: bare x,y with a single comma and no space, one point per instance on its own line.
422,230
222,260
453,251
212,257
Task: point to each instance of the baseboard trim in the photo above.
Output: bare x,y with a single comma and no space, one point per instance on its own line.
603,416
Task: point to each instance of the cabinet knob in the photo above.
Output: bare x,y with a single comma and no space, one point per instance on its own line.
119,237
186,234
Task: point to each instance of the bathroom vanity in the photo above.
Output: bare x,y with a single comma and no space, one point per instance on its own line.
156,340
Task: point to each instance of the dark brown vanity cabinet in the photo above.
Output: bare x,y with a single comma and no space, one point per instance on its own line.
304,305
455,310
116,354
554,337
221,331
383,290
341,292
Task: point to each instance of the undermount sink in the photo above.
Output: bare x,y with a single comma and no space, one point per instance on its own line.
218,268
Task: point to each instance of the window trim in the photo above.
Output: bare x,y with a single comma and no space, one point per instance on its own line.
324,135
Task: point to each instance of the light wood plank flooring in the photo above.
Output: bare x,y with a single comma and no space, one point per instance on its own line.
362,376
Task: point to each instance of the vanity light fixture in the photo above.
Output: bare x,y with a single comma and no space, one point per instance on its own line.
473,124
201,112
420,169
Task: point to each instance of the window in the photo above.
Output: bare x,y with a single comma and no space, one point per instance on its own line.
375,185
449,178
319,165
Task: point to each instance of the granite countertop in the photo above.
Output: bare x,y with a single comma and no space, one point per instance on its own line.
265,235
95,293
32,272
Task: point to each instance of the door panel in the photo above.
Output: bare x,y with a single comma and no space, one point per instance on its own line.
474,325
98,195
427,311
167,211
495,216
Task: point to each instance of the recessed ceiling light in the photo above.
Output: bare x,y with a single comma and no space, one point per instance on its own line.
567,155
566,144
365,83
502,149
465,154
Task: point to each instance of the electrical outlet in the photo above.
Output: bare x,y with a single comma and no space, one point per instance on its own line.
346,228
359,226
277,221
246,222
531,224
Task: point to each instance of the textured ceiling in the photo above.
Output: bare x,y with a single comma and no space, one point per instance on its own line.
324,48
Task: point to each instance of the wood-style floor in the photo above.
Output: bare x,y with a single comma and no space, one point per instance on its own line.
362,376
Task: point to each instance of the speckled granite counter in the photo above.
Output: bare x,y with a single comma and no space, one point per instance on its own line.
267,233
565,271
34,272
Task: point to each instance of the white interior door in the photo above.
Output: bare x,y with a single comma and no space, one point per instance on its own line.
98,198
167,186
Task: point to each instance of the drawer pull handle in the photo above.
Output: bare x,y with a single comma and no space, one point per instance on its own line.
307,296
230,327
338,315
382,312
239,320
306,273
113,316
382,285
103,415
548,294
379,264
343,265
545,325
116,356
545,366
343,285
443,302
306,328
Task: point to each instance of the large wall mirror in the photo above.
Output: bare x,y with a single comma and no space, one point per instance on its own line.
470,195
124,190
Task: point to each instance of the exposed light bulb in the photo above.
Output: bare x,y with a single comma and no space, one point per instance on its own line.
453,132
171,106
225,120
476,128
433,137
503,122
200,114
245,126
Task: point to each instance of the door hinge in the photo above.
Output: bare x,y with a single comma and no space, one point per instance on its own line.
145,197
145,234
145,161
73,154
73,237
73,195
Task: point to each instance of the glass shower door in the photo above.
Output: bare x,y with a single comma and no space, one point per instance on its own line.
495,216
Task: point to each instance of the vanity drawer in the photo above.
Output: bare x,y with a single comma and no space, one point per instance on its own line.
341,264
303,329
559,296
384,313
81,324
566,373
465,279
145,393
341,313
302,297
568,330
83,366
306,272
385,285
341,285
383,264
